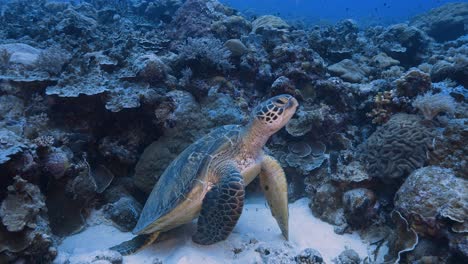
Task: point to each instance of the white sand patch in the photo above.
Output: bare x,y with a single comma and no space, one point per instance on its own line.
255,224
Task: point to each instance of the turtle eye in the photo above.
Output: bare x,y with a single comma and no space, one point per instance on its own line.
279,101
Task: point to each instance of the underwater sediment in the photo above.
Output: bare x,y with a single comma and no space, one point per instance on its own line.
98,97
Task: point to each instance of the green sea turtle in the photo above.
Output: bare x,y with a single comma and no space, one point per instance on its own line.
207,180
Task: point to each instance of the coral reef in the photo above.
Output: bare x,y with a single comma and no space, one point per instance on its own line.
444,23
206,50
194,18
11,144
98,97
337,42
404,43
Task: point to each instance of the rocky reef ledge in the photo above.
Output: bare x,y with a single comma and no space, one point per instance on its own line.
98,97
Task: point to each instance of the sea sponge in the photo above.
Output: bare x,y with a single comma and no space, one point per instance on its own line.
397,148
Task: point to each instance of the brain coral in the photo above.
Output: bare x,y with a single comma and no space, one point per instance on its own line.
397,148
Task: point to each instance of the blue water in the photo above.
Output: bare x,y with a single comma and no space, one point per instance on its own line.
329,11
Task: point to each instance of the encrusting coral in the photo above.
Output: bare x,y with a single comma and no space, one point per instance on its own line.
434,201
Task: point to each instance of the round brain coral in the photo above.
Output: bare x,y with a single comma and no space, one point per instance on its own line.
397,148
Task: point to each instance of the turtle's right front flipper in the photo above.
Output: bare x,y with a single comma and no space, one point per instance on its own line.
221,208
275,187
136,244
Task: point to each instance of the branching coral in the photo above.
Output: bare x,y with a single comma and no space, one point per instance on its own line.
431,105
382,107
387,103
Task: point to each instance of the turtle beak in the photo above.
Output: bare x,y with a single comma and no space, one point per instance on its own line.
292,103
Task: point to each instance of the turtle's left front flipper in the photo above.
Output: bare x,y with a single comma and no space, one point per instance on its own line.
274,185
221,208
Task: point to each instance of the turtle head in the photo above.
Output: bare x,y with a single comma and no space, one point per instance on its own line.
273,114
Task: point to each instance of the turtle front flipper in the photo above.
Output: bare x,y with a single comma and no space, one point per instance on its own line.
274,185
221,208
137,243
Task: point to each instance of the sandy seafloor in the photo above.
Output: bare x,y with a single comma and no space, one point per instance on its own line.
256,227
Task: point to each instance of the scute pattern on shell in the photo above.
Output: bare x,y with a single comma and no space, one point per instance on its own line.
180,176
397,148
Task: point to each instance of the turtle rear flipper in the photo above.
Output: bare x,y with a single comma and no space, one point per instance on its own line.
221,208
136,244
